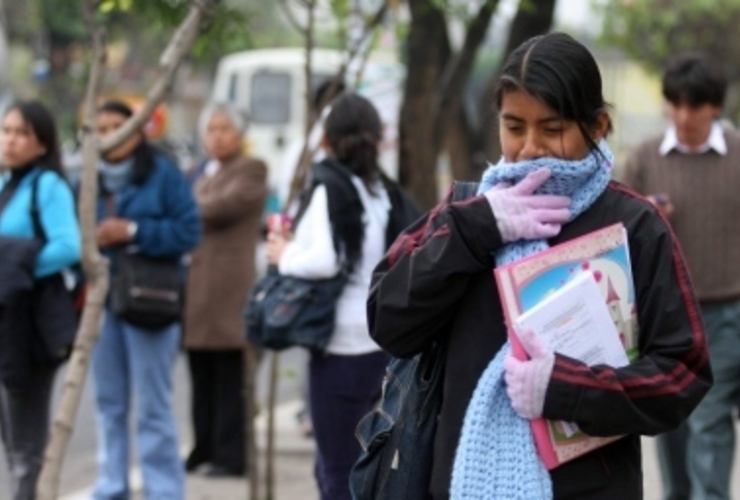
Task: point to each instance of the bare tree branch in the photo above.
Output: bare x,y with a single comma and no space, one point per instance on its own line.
96,270
304,162
292,19
169,62
95,265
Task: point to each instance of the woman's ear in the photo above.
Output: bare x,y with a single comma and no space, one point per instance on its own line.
602,126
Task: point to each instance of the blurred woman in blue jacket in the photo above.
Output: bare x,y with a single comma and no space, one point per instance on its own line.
145,202
31,156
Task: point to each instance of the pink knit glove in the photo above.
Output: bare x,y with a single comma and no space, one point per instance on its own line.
526,381
521,214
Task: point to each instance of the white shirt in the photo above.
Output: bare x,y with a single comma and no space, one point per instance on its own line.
715,141
311,254
212,168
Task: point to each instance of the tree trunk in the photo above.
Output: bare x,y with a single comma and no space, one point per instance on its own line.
96,272
460,148
427,54
435,84
532,18
251,362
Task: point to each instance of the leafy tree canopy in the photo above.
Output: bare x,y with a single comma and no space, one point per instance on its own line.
653,30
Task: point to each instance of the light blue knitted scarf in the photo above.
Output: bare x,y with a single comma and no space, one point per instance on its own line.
115,176
496,458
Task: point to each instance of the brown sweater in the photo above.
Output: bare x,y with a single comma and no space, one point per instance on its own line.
705,192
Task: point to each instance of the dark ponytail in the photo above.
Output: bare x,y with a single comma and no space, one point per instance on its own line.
353,131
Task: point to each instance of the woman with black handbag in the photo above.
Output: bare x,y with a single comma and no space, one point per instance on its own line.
33,197
147,221
342,229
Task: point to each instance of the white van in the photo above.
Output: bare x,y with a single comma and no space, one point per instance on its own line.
270,85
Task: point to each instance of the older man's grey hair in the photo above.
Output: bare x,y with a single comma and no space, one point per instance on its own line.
237,116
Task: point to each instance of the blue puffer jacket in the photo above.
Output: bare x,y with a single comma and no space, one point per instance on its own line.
161,203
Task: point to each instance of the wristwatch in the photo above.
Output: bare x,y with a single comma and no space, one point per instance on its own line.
132,228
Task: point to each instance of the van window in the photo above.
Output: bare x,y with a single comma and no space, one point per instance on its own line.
270,99
233,85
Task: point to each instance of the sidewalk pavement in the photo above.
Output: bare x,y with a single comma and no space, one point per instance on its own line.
294,466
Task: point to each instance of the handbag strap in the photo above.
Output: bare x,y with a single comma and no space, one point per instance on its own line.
6,194
8,190
38,228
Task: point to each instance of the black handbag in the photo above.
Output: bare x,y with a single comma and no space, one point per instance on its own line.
54,315
55,318
16,267
146,291
284,311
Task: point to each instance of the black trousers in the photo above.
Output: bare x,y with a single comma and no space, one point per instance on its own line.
217,407
343,389
24,427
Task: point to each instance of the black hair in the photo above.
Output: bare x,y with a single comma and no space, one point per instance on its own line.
353,130
116,107
143,153
39,118
560,72
694,78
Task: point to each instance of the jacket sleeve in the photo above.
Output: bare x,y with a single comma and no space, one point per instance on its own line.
246,193
311,253
58,217
179,229
418,284
659,390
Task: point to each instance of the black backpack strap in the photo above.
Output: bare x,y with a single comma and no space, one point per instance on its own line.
6,194
462,190
340,189
38,228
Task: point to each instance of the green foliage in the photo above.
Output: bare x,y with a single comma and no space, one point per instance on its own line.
63,20
464,10
225,30
653,30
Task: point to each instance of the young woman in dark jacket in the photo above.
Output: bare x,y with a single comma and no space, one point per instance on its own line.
436,284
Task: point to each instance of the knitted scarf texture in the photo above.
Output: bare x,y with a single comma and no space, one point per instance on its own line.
496,458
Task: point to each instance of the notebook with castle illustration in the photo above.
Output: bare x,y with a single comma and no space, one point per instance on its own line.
582,285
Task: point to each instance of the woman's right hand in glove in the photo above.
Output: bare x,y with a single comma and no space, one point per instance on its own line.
521,214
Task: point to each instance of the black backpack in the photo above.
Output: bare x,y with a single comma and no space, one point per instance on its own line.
397,437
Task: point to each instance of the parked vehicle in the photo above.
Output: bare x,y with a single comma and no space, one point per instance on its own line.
270,85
